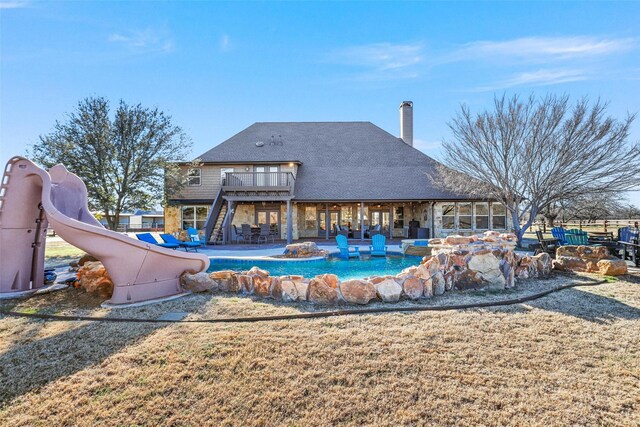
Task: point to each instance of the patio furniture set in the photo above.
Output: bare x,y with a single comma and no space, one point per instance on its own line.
378,247
169,241
625,245
369,232
251,234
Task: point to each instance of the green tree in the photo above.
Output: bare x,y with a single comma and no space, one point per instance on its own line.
125,160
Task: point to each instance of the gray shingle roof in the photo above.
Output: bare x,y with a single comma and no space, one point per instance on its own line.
340,160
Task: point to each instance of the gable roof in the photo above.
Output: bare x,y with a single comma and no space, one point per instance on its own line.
340,160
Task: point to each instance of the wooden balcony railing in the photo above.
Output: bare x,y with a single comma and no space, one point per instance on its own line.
258,181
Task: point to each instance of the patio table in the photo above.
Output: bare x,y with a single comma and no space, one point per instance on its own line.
634,247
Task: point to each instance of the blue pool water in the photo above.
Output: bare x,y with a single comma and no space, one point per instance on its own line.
344,269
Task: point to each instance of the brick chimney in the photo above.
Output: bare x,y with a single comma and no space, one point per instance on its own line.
406,122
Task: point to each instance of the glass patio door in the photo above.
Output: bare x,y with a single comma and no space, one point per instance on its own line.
271,217
266,179
334,219
380,218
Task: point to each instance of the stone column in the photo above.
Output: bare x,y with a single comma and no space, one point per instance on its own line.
361,220
289,223
326,220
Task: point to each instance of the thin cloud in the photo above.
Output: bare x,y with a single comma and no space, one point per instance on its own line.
225,44
145,41
382,60
543,77
541,49
15,4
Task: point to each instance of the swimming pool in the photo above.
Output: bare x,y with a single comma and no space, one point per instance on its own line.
344,269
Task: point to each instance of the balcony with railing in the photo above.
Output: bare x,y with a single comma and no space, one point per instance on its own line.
258,183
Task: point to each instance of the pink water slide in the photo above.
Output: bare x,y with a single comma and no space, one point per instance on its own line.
31,199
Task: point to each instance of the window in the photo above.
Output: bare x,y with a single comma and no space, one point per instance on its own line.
194,216
398,217
310,219
448,216
482,216
464,216
499,216
194,177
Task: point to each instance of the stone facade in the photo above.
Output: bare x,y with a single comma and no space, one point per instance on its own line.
244,214
419,211
172,219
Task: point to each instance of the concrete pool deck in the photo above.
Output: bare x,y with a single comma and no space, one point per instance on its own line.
270,250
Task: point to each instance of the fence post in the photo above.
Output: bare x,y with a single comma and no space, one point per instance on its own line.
605,225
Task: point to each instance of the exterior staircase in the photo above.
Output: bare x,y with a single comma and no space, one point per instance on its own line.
216,234
213,225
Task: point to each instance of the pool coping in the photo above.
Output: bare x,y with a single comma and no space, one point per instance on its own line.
316,258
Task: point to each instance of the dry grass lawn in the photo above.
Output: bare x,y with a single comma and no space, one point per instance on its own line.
572,358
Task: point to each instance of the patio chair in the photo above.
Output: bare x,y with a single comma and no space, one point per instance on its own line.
378,247
265,233
629,244
246,234
559,234
375,230
546,245
168,238
342,231
236,235
346,251
148,238
577,238
194,236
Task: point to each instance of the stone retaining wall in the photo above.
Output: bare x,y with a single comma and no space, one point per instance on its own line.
589,259
460,263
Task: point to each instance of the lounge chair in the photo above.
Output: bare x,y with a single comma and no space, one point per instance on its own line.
346,251
378,247
194,236
148,238
559,234
375,231
170,239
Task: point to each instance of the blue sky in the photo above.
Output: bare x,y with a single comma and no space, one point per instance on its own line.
218,67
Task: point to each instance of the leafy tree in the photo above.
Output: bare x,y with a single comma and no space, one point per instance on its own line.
530,154
124,160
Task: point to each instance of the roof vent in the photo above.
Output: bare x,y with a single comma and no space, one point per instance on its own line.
259,144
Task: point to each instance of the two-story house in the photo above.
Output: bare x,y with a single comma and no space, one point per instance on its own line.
309,179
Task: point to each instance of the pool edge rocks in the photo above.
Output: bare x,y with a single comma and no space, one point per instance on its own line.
457,263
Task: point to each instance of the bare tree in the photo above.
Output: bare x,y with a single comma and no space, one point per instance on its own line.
628,211
125,161
531,154
592,208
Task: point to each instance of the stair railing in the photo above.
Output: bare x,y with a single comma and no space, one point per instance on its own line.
212,218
